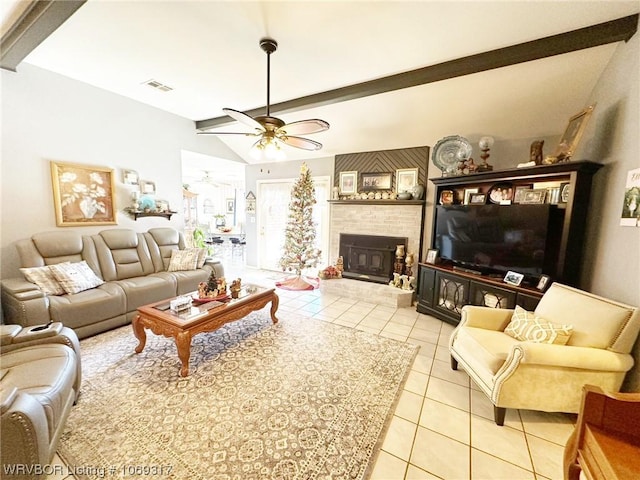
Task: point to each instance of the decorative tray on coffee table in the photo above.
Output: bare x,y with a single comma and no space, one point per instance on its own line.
200,301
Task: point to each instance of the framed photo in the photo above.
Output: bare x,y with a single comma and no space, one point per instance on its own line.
231,205
536,195
432,256
376,181
467,194
147,187
572,134
513,278
565,191
477,199
544,282
83,195
348,183
130,177
406,179
520,192
446,197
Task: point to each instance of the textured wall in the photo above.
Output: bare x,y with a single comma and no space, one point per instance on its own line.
382,162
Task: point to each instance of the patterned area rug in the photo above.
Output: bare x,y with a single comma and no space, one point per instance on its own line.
302,399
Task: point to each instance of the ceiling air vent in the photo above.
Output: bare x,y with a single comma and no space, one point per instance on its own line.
157,85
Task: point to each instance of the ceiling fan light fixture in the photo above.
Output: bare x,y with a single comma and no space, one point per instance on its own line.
274,133
268,148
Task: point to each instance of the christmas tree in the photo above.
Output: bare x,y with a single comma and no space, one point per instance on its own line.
300,251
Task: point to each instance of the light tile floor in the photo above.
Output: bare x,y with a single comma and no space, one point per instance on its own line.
443,425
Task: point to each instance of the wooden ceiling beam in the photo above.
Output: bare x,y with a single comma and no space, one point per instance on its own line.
618,30
38,20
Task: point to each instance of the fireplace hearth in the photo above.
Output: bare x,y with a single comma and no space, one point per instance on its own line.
369,257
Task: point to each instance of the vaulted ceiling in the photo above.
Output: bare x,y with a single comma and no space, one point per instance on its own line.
207,52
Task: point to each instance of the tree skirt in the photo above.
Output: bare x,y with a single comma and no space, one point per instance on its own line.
298,283
302,399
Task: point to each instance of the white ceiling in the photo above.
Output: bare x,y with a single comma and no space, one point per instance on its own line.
208,52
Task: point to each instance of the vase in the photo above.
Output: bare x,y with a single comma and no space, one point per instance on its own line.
399,251
88,207
418,192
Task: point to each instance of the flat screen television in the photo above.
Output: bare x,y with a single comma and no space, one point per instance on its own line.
495,238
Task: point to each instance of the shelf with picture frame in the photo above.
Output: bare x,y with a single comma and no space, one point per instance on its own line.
564,187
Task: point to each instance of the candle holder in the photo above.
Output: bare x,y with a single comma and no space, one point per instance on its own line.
485,145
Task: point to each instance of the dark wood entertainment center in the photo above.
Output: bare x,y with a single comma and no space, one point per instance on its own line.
443,290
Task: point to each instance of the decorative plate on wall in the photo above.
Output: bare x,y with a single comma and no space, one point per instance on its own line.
449,151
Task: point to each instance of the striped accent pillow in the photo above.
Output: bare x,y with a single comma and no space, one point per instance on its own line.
186,259
43,278
527,327
75,277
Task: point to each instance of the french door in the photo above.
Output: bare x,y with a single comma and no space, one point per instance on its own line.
272,211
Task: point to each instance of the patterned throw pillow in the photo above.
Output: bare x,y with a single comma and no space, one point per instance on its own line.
75,277
202,257
43,277
186,259
526,327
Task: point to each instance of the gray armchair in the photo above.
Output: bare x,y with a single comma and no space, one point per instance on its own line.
39,383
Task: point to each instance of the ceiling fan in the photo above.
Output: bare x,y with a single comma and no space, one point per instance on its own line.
271,130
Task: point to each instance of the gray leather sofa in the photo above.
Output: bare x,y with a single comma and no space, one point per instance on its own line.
133,266
39,383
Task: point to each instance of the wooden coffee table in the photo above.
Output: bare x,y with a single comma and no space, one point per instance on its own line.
207,317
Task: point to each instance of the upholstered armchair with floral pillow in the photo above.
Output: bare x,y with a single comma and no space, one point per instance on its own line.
540,360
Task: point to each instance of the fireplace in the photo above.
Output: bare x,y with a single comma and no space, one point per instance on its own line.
369,257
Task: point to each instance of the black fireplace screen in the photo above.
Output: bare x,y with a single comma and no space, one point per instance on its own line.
369,257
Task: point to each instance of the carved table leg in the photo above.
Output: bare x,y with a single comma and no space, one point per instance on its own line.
138,331
275,301
183,343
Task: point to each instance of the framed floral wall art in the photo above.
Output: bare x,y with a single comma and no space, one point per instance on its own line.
83,194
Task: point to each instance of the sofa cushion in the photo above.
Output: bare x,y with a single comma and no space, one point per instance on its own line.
144,290
44,278
527,327
122,254
488,348
186,281
46,372
75,277
90,306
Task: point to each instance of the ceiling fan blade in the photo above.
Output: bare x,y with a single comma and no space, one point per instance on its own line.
305,127
243,118
246,134
303,143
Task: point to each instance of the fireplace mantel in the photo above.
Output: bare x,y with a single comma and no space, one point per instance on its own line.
398,203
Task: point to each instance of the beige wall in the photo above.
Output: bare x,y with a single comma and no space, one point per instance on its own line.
46,116
612,137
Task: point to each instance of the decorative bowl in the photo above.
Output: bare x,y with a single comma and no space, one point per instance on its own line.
404,196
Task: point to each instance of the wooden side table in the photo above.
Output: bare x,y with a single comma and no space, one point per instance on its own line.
605,444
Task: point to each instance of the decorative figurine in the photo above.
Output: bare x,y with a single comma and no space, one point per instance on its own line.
340,264
405,282
535,154
235,288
